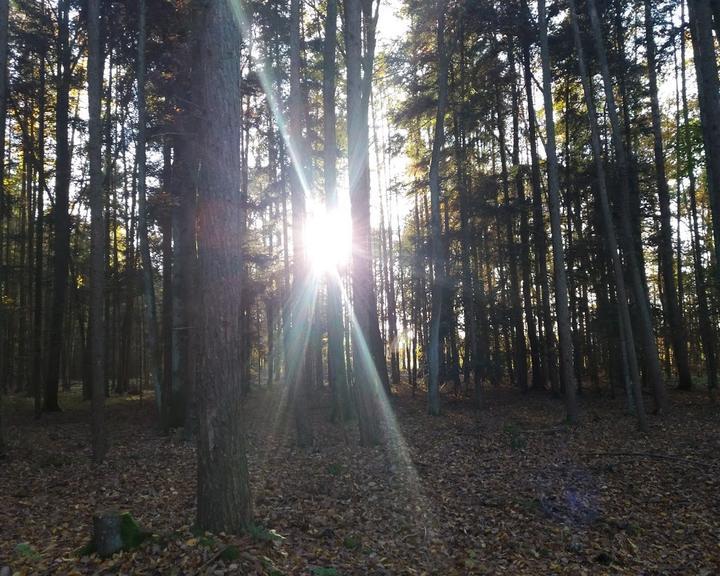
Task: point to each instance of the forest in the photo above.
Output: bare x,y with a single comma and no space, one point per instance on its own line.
335,287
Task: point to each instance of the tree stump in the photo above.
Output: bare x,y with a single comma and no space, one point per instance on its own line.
107,533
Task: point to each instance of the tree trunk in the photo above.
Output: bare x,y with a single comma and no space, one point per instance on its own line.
61,210
369,369
4,14
665,248
170,406
706,69
438,255
39,246
223,497
517,291
303,294
567,370
150,310
97,234
336,353
707,331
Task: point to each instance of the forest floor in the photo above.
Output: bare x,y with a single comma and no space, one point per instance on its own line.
506,490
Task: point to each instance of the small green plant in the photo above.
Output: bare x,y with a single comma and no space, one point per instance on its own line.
351,542
334,469
24,550
131,533
262,534
207,541
518,441
230,553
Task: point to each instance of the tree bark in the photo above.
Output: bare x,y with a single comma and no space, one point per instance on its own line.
150,309
438,259
303,296
336,354
369,369
37,374
61,213
97,234
223,496
708,85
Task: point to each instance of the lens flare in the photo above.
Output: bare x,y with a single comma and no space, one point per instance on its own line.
328,241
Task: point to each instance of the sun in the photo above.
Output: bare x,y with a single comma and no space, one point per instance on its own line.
328,240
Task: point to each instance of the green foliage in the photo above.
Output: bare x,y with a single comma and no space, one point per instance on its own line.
334,469
131,533
230,553
351,542
258,532
207,541
85,549
25,550
471,562
518,440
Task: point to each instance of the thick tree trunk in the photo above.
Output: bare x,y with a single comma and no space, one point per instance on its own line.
707,331
223,496
706,69
369,368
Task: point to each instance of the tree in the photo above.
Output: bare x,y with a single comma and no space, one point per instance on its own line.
707,332
369,369
438,289
665,249
61,213
298,346
706,69
97,233
37,374
223,496
150,309
567,369
4,15
337,373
